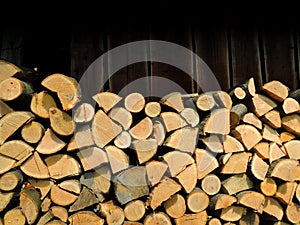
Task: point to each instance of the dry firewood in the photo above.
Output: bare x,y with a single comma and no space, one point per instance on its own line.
14,217
142,130
237,163
62,165
11,180
261,104
247,134
290,105
236,114
259,167
62,197
262,149
205,102
221,201
275,152
188,178
4,108
121,116
30,204
104,129
292,213
107,100
251,199
85,199
190,116
211,184
85,217
117,159
286,136
193,219
273,208
292,123
157,218
223,159
46,203
159,132
134,210
73,186
123,140
222,99
152,109
134,102
41,102
292,149
32,132
132,223
252,119
297,194
184,139
276,90
172,121
5,199
285,192
173,100
237,183
295,94
35,167
175,206
268,186
61,122
218,122
197,200
213,143
232,213
285,169
6,163
9,69
83,113
231,144
11,122
270,134
66,88
82,138
162,192
145,149
114,214
43,186
272,118
131,184
44,219
60,213
205,162
214,221
237,94
155,171
251,218
50,143
177,161
13,88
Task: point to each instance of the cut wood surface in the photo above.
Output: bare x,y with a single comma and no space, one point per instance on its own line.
205,102
218,122
84,113
252,119
262,104
290,105
172,121
12,88
276,90
92,158
134,102
175,206
107,100
247,134
32,132
10,180
122,116
193,219
145,149
35,167
134,210
152,109
188,178
4,108
14,216
173,100
30,204
142,130
268,186
50,143
41,102
61,122
197,200
292,123
157,218
211,184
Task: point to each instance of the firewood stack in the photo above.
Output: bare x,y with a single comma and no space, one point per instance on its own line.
221,157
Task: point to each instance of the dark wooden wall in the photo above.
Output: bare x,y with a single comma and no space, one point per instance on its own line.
233,51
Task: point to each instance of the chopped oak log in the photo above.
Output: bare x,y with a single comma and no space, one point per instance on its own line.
107,100
131,184
159,132
211,184
193,219
276,90
221,201
237,163
184,139
172,121
292,149
232,213
272,118
61,122
134,210
145,149
236,114
83,113
50,143
118,159
86,198
41,102
157,218
35,167
66,88
44,186
237,183
273,208
205,102
292,213
285,169
231,144
152,109
175,206
121,116
188,178
12,88
104,129
286,136
252,119
32,132
262,104
213,143
11,180
84,218
134,102
5,199
285,192
114,214
123,140
197,200
218,122
14,217
247,134
190,116
30,204
155,171
251,199
92,157
259,167
73,186
61,197
177,161
290,106
292,123
173,100
60,213
142,130
62,165
205,162
162,192
268,186
11,122
4,108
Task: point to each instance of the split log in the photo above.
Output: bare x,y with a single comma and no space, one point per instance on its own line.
44,219
9,69
86,199
14,217
273,208
218,122
134,102
285,192
205,102
275,152
297,194
117,159
121,116
231,144
290,106
221,201
222,99
272,118
268,187
211,184
152,109
159,132
16,150
44,186
193,219
285,169
292,149
252,119
145,149
213,143
35,167
188,178
175,206
197,200
30,204
142,130
286,136
236,114
114,214
251,218
85,217
262,149
107,100
50,143
46,203
83,113
172,121
6,164
214,221
41,102
190,116
72,186
237,163
251,199
157,218
123,140
11,122
66,88
205,162
261,104
13,88
60,213
237,183
62,197
270,134
82,138
259,167
295,94
11,180
247,134
61,122
292,123
134,210
173,100
155,171
32,132
232,213
276,90
4,108
5,199
293,213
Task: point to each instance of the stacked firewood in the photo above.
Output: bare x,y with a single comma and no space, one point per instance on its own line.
219,157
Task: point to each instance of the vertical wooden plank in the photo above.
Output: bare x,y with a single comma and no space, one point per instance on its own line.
245,55
211,44
180,35
279,55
